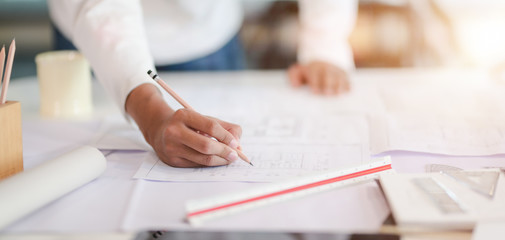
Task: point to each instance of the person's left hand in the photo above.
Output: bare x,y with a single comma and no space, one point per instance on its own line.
322,77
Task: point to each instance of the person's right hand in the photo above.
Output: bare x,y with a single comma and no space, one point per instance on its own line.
183,138
178,143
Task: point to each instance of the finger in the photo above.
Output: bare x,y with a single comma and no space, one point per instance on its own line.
207,146
211,127
202,159
341,87
343,80
234,129
313,78
330,83
179,162
344,85
171,153
179,155
295,75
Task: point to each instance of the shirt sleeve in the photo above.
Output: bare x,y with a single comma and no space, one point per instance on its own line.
111,35
325,26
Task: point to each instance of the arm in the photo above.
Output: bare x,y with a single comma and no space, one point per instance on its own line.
111,36
324,54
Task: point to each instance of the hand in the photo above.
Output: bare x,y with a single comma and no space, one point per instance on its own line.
322,77
178,144
182,138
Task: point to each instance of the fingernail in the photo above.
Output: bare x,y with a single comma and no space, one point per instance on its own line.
234,144
232,156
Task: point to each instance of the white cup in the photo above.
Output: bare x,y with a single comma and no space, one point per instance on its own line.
64,84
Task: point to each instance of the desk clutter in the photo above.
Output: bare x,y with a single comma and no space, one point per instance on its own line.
138,191
409,127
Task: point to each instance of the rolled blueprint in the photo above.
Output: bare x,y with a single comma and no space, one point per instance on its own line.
29,190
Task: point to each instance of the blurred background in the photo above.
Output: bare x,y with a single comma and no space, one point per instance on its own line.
388,33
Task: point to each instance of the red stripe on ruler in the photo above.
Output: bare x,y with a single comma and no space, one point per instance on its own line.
295,189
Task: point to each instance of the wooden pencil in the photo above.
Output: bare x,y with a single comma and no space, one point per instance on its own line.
2,61
8,70
172,93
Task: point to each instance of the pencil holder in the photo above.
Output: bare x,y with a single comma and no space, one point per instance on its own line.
11,144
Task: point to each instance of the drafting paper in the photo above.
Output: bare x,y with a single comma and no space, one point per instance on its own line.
280,147
450,135
452,114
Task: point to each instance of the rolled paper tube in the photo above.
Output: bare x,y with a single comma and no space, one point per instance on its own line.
30,190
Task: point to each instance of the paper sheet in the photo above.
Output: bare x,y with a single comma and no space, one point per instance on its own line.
117,134
449,114
280,147
463,136
271,163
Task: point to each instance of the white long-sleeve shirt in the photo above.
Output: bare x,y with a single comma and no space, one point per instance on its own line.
122,39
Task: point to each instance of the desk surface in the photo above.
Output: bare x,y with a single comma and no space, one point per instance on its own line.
117,203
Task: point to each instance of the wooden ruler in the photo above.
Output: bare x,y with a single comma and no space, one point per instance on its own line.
203,209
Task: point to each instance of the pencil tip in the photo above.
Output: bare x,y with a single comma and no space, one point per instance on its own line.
149,72
251,164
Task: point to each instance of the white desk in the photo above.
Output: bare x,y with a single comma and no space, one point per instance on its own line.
117,203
